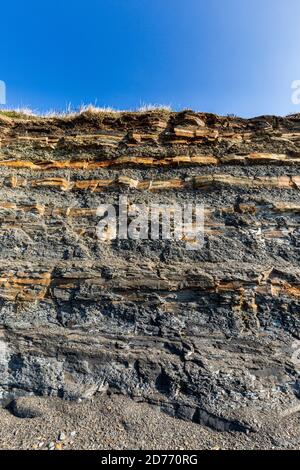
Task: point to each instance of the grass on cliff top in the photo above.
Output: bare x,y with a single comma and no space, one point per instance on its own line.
87,110
17,113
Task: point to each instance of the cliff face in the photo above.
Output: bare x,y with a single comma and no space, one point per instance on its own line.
209,335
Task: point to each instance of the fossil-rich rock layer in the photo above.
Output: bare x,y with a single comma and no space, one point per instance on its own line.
209,335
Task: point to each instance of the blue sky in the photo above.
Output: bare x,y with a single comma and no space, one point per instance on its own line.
223,56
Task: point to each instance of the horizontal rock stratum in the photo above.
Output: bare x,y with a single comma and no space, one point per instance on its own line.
209,335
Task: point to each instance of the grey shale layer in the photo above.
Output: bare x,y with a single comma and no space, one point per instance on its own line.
209,335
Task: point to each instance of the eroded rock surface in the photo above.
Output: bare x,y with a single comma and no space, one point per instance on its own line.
209,335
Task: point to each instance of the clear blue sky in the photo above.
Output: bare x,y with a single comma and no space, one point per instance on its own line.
224,56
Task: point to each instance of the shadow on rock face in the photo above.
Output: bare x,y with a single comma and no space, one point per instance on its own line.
20,408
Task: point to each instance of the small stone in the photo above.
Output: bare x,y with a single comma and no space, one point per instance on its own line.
58,446
51,446
62,436
73,433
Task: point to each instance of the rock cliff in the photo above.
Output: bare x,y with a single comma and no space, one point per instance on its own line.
208,335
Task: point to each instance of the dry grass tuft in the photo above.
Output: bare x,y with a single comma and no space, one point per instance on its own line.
146,108
18,113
